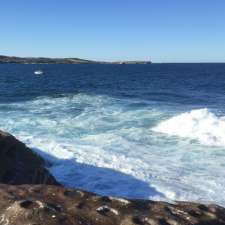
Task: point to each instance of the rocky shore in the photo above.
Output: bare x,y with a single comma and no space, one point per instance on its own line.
30,195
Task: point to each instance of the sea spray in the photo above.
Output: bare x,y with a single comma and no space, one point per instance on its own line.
200,124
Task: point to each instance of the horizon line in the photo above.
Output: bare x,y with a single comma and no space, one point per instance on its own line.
112,61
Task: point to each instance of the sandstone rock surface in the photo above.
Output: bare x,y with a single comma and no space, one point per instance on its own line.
55,205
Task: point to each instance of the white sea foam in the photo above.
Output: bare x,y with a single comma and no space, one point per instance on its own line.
106,145
200,124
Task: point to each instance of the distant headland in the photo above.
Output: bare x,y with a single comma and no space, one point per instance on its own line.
46,60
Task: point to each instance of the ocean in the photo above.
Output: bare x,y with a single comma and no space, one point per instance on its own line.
137,131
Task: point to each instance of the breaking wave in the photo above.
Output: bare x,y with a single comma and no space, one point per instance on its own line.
106,145
200,124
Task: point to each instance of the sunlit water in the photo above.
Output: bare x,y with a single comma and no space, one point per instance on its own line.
139,131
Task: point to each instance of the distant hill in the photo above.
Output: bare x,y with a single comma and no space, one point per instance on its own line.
45,60
42,60
132,62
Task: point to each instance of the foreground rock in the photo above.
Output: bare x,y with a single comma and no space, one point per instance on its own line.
42,204
20,165
55,205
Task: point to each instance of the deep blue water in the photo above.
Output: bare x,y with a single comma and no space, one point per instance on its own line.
141,131
197,84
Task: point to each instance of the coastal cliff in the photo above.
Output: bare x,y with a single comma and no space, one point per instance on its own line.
29,194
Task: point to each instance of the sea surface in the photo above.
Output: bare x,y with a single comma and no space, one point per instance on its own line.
137,131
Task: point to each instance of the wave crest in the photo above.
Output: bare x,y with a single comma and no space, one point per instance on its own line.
200,124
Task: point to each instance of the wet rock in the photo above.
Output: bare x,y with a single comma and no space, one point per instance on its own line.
20,165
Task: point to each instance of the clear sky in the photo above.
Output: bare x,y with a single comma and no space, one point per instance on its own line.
160,30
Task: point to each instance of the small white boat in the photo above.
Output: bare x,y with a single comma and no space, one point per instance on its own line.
38,72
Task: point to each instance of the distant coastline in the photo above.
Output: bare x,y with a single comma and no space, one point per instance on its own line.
46,60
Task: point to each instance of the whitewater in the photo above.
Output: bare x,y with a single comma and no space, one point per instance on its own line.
103,144
136,131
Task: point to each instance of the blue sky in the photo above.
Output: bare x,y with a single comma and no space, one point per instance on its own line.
160,30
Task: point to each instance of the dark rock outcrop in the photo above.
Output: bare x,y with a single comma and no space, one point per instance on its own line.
20,165
42,204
